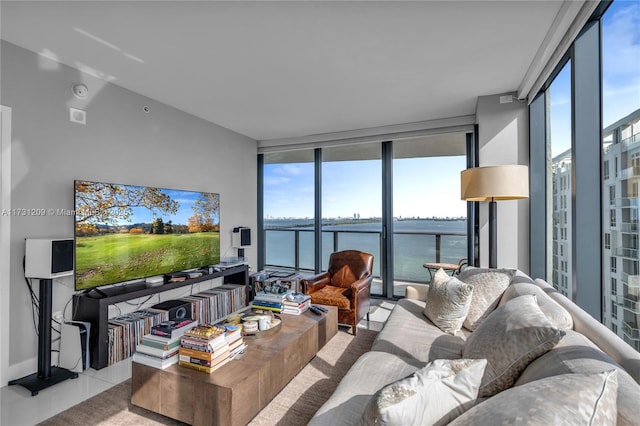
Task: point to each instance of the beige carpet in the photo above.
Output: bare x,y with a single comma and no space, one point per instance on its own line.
295,405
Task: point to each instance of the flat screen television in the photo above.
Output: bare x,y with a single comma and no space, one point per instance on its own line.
128,232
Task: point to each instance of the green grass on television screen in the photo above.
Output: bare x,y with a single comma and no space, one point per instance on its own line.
116,258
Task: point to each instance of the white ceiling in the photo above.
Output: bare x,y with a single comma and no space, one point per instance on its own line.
272,70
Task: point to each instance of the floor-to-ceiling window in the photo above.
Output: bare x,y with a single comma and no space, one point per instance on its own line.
288,209
621,169
352,202
429,216
559,174
596,249
351,188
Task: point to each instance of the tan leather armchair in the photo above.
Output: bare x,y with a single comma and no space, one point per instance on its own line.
345,285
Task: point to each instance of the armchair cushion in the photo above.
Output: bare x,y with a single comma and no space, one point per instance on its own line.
333,296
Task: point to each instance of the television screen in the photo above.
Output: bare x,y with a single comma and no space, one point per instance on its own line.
128,232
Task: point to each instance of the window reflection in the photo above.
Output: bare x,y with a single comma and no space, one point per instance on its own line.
621,168
559,204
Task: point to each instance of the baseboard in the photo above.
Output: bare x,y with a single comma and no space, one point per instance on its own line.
22,369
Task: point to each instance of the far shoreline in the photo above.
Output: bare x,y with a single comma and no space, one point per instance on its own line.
346,221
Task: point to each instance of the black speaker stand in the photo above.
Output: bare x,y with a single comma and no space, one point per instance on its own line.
47,375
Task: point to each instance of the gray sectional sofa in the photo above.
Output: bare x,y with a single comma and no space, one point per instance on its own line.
409,341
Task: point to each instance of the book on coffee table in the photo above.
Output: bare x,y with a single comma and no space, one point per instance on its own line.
173,328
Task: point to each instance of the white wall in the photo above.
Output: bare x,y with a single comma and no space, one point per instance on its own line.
120,143
504,139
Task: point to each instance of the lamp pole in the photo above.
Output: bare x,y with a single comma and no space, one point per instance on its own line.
493,234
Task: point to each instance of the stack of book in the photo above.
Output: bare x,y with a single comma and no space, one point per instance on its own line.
160,348
269,301
157,352
234,338
204,348
296,304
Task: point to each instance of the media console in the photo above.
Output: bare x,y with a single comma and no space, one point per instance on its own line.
93,306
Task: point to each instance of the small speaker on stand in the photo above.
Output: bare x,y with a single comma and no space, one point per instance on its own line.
241,238
45,259
47,375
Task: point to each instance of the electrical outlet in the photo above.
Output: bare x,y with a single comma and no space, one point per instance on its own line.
58,316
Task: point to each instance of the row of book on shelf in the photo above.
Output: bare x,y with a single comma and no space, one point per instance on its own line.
207,307
198,347
289,302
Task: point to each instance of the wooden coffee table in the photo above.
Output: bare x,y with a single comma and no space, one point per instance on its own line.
235,393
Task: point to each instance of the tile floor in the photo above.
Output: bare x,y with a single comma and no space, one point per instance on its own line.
19,408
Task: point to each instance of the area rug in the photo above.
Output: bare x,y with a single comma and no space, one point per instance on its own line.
294,405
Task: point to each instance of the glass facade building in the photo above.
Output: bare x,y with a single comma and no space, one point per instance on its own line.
620,227
586,123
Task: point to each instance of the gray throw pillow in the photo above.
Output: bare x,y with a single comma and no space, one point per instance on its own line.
448,301
509,339
567,399
488,286
577,354
558,315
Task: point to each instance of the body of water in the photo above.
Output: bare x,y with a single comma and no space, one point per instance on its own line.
414,243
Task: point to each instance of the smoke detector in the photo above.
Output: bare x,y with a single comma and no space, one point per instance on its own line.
80,90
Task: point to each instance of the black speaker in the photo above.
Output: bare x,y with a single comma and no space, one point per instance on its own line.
178,309
61,256
241,236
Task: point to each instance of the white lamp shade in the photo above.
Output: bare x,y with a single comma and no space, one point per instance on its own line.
495,183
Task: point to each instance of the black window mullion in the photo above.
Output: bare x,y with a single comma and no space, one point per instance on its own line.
317,228
386,249
262,240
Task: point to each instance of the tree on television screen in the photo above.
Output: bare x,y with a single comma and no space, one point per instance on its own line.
109,203
205,214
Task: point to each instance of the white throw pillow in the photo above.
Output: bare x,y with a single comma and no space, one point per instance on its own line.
433,395
448,301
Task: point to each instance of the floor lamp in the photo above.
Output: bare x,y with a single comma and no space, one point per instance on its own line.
494,183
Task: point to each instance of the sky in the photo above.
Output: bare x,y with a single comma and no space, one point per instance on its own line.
185,200
424,187
620,74
428,187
